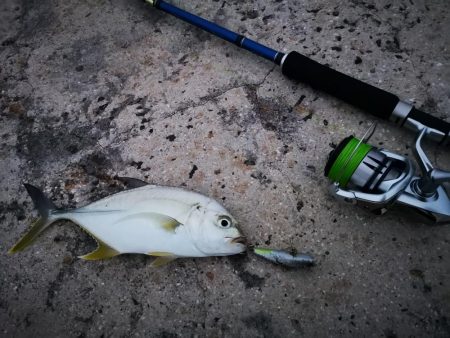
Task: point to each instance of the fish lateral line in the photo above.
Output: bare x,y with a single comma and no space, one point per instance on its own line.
77,211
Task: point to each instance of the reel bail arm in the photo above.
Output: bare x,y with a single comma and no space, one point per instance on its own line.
432,178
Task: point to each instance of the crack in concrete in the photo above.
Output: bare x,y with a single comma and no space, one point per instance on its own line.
213,96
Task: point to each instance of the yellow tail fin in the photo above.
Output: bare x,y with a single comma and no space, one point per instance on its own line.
36,228
45,208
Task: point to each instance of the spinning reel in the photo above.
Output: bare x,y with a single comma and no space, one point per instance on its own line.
377,178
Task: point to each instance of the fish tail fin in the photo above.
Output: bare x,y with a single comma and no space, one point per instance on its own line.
41,202
45,207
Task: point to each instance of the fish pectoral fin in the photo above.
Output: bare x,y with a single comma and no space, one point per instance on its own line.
162,260
103,251
170,224
166,222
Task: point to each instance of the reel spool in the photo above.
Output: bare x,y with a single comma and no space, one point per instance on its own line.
377,178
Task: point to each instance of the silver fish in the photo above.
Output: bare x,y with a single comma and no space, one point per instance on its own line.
286,258
164,222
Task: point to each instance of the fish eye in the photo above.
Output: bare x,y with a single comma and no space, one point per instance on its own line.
225,222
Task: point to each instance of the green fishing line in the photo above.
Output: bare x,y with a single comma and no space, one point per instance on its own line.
343,167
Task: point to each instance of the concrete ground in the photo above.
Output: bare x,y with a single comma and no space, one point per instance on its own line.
93,89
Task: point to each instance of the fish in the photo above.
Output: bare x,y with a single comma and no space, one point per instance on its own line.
164,222
286,258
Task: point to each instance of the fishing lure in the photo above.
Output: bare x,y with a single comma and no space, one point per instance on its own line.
286,258
165,222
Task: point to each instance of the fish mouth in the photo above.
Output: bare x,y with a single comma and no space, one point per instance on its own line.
239,240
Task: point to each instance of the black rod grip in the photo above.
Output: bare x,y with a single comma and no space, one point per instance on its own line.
355,92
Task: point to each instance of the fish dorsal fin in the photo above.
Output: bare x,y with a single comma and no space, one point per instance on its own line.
131,182
103,251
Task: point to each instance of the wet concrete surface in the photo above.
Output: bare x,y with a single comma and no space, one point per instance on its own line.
91,90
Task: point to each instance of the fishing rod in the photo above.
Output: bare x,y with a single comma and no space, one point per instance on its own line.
296,66
360,173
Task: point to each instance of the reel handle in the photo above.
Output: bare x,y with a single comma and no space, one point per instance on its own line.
376,101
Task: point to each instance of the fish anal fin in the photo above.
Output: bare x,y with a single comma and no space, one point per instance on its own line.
160,253
162,260
103,251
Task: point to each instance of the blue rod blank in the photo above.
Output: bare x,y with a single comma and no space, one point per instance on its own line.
221,32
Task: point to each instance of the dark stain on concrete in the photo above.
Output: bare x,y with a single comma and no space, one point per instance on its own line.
85,320
250,280
13,208
97,163
275,115
77,243
53,144
136,314
37,15
166,334
250,158
262,323
57,284
81,63
130,100
261,177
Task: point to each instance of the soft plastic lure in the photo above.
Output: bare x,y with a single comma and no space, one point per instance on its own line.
286,258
